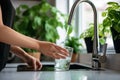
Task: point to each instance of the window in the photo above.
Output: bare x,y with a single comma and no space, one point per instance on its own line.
87,18
84,16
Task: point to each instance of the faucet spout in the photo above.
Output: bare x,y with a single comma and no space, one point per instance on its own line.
95,41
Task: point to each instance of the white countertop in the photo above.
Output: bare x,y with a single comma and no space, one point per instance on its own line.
10,73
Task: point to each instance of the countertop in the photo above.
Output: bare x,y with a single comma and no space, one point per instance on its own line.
10,73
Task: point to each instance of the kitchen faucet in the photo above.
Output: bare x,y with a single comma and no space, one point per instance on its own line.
96,64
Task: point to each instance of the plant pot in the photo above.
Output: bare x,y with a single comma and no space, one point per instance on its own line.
74,57
116,41
89,44
35,54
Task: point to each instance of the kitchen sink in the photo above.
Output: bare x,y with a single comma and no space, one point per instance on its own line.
50,67
73,66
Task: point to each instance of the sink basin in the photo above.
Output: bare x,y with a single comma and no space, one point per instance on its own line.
50,67
73,66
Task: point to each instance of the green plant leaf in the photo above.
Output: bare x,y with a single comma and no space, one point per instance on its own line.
45,7
117,27
37,21
112,3
112,14
102,40
74,43
104,14
21,8
107,22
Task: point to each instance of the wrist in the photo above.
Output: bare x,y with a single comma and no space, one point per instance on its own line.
39,46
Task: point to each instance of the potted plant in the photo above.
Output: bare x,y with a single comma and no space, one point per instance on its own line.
88,36
112,20
75,44
39,21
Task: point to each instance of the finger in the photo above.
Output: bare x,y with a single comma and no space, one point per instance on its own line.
50,54
58,55
31,66
55,55
39,65
62,50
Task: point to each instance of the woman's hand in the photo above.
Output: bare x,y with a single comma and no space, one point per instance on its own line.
30,60
33,62
52,50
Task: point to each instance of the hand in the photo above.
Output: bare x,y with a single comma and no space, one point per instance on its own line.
33,63
52,50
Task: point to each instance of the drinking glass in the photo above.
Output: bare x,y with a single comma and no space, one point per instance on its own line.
64,64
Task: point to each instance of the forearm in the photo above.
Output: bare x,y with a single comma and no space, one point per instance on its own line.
9,36
19,52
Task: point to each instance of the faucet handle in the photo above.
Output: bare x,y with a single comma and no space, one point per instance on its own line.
102,59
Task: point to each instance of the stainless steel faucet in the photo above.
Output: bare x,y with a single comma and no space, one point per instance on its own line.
95,60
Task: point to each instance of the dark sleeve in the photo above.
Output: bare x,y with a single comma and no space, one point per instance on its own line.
8,13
